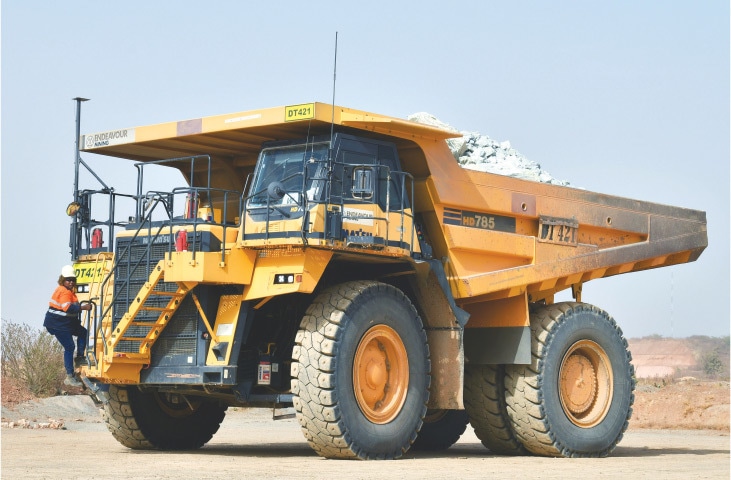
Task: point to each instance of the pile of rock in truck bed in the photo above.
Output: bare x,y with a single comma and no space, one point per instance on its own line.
476,151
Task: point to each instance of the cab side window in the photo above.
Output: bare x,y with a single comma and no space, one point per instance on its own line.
368,172
387,158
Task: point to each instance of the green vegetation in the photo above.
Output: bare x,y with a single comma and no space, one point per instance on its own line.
33,357
712,364
713,354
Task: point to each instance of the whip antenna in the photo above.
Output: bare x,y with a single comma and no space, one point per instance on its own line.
335,70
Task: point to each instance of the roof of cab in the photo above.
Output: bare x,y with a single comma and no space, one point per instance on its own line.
243,133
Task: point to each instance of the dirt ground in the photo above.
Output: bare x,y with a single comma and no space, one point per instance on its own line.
688,436
250,445
684,404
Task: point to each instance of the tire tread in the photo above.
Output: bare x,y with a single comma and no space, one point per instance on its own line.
484,397
313,372
128,427
524,395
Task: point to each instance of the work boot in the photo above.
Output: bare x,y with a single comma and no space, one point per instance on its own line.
79,362
71,381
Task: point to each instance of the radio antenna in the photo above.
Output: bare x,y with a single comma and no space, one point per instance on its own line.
330,160
335,70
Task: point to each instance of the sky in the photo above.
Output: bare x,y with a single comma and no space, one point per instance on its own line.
626,98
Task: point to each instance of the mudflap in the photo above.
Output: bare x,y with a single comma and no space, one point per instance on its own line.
99,392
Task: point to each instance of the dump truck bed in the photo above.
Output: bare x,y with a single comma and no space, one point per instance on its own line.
504,236
499,237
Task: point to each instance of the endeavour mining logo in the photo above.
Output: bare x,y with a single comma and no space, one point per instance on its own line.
355,215
105,139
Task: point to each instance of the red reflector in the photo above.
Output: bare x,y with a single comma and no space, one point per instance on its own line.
181,241
298,278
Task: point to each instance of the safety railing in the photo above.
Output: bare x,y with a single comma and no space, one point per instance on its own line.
154,223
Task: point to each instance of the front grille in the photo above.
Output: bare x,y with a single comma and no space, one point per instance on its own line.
135,263
179,337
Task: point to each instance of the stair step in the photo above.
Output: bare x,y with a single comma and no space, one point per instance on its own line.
148,329
157,309
161,293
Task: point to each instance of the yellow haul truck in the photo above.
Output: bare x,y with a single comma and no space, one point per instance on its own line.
342,264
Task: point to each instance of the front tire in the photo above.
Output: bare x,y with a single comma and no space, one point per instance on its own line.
155,421
360,372
575,398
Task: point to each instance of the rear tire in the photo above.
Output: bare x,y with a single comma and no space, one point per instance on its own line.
484,401
441,429
360,372
151,421
575,399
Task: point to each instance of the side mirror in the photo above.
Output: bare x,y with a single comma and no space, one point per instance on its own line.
363,182
276,190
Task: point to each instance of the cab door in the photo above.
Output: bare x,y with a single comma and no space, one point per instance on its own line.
371,189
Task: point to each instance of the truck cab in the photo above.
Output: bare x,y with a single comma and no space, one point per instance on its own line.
344,191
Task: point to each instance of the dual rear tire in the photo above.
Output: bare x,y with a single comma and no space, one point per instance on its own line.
573,400
484,401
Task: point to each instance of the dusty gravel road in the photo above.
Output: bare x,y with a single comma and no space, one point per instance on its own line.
250,445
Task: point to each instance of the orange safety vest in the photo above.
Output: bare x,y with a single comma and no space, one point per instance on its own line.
62,299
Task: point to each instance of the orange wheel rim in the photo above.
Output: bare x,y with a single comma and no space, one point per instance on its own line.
380,374
586,384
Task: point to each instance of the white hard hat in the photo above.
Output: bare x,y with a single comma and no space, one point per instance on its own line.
68,271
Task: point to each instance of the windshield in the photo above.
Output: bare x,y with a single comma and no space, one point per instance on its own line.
279,176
